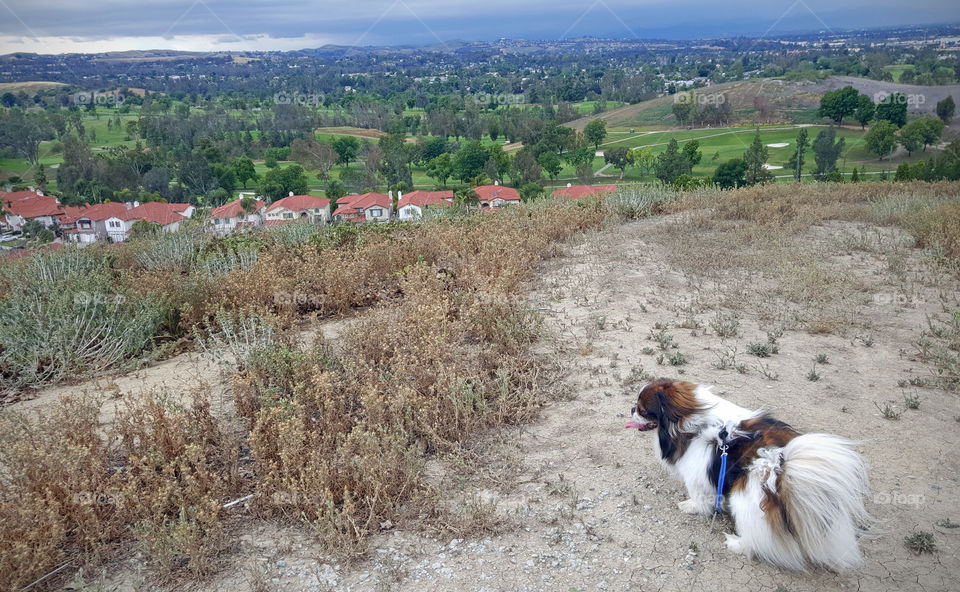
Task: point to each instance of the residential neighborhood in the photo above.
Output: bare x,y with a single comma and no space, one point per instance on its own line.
114,221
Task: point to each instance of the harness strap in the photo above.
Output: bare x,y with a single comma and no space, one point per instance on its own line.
717,505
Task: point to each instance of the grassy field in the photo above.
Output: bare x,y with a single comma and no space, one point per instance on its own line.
897,70
717,145
722,144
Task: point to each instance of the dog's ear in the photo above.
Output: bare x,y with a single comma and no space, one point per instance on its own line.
661,408
673,403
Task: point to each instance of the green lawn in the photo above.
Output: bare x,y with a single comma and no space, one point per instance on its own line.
720,145
897,70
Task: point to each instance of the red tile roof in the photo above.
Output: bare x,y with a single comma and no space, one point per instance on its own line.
69,214
17,195
33,207
426,198
359,203
351,198
582,191
277,222
154,211
113,209
488,193
232,209
297,203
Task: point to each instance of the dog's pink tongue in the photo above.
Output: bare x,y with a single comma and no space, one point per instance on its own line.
633,425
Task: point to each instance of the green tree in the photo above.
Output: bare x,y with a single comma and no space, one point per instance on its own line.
248,205
691,150
730,174
580,156
469,161
530,191
23,132
40,178
911,136
244,170
671,163
932,130
839,103
881,139
618,158
802,144
683,108
893,108
826,151
500,159
945,109
280,182
643,159
525,168
755,158
466,198
347,148
865,110
595,132
550,163
314,155
335,190
585,172
440,168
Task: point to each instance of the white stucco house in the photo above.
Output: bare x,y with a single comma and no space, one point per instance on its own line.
368,207
298,207
411,206
231,217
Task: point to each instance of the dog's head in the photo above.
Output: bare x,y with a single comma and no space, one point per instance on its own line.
664,404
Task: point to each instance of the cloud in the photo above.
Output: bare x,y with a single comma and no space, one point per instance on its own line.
379,22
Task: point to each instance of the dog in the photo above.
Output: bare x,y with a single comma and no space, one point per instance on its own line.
797,500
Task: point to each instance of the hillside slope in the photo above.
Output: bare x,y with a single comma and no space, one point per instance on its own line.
784,96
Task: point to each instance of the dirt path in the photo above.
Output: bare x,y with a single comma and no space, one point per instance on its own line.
585,505
592,510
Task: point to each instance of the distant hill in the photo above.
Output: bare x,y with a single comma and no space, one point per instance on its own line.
29,86
782,95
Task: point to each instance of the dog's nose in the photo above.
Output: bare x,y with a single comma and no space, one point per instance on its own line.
633,410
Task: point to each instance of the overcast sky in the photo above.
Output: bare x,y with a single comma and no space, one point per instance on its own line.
57,26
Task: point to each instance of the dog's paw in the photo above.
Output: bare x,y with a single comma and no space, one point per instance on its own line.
735,545
691,507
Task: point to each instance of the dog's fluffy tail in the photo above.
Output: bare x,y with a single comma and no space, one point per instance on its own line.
822,488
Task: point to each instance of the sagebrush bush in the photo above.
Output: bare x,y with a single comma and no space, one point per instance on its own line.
72,492
63,315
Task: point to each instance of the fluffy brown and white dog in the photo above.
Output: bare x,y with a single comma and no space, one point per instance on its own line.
796,499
